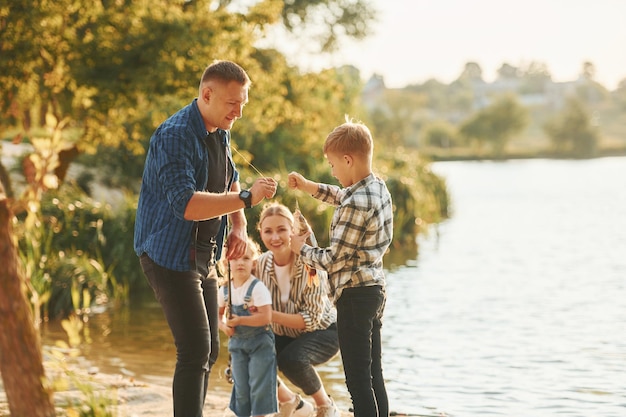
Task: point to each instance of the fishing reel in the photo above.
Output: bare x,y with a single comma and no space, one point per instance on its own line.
228,374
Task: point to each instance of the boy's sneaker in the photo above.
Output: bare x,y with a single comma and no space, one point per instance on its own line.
290,408
328,410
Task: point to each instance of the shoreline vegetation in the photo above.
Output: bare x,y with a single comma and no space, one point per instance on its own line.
451,156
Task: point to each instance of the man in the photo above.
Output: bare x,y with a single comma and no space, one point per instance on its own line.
190,186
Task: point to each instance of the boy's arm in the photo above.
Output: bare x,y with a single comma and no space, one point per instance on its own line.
345,240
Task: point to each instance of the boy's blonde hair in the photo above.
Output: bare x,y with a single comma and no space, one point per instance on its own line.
350,138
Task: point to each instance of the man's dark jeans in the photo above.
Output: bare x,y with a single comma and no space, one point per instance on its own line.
359,321
189,302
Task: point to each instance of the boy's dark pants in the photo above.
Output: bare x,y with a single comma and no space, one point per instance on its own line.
359,321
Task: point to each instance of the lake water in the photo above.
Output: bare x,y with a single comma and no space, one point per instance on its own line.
515,307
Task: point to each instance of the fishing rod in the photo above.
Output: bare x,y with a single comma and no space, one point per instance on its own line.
228,373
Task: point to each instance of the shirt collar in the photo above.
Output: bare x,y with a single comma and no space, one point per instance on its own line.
361,183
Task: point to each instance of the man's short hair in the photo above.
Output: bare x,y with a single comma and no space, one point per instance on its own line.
350,138
225,71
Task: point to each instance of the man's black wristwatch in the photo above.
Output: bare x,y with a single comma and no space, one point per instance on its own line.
246,197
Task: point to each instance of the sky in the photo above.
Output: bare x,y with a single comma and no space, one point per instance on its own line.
416,40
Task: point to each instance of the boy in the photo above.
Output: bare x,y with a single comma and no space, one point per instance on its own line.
360,234
251,343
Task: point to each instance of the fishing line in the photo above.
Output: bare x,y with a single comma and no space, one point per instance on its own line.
248,162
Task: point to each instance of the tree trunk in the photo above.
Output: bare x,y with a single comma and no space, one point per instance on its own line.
21,364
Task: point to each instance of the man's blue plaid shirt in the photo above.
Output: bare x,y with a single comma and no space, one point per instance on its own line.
176,166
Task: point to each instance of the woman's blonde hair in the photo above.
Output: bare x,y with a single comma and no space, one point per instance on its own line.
275,209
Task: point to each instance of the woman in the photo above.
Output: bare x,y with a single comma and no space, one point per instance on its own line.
303,317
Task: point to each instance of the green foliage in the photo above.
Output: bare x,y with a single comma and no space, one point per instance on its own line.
66,257
535,78
496,124
420,196
619,95
440,134
398,115
289,134
93,399
572,132
330,20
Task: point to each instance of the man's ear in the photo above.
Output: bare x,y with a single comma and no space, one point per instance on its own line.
206,93
349,159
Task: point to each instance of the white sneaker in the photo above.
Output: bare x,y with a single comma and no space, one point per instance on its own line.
290,408
306,410
328,410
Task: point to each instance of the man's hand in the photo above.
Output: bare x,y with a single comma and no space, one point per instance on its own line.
236,242
263,188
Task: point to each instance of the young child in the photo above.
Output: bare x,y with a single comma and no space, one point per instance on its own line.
251,343
360,233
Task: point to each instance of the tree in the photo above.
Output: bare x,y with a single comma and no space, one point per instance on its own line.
472,72
497,123
619,95
571,131
588,71
396,118
330,20
117,69
508,71
535,76
20,350
440,134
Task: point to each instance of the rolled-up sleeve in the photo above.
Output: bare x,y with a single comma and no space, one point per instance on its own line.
175,173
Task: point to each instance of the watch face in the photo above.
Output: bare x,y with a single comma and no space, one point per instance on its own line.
246,196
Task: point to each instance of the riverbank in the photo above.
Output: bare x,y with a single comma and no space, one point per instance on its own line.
121,396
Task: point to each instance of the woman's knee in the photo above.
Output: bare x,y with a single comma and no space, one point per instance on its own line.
288,364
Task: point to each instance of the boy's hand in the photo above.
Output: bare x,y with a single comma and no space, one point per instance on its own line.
296,181
298,241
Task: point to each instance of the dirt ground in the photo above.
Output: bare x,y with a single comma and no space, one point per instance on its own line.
126,397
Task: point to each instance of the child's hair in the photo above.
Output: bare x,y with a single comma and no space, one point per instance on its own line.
275,209
254,247
222,264
352,138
